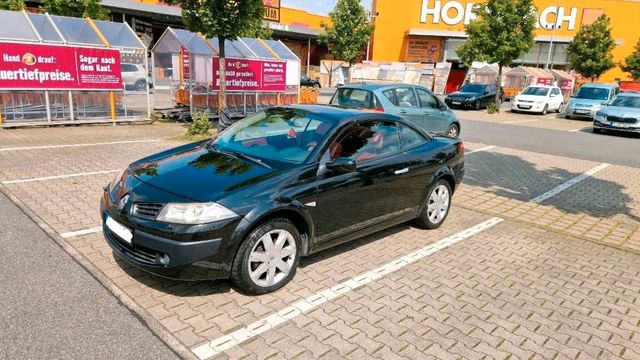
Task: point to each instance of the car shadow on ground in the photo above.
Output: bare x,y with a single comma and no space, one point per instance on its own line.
612,133
513,177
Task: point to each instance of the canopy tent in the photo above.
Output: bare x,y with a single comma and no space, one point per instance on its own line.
565,82
260,73
80,51
488,74
520,77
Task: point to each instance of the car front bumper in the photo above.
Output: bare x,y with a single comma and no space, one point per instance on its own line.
466,103
527,107
616,126
586,113
173,254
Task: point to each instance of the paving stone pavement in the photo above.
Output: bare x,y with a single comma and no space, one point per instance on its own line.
529,287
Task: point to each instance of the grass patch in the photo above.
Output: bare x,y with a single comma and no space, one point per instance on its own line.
196,137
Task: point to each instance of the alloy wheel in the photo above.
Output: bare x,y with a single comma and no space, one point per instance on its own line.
453,131
438,204
272,258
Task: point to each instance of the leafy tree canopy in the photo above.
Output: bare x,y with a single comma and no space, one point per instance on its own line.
15,5
590,51
349,31
76,8
631,63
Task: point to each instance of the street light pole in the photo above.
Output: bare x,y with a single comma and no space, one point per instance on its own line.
553,33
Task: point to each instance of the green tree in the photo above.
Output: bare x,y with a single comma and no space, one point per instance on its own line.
222,19
349,31
631,63
76,8
15,5
590,51
502,32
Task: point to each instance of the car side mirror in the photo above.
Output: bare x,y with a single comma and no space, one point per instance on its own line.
342,165
486,92
443,107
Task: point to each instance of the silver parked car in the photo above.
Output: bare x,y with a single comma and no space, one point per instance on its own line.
411,102
621,114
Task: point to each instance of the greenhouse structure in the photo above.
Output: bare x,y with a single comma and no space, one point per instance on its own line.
58,70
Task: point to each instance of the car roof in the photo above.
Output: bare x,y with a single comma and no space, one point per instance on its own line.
630,94
601,85
341,114
373,86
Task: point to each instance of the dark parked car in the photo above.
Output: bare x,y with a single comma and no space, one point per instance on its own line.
284,183
414,103
307,81
473,96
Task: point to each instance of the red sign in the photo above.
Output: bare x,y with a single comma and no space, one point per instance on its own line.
545,81
251,75
186,70
37,66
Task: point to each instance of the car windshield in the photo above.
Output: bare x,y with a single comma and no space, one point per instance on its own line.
281,137
593,93
473,88
626,101
353,98
536,91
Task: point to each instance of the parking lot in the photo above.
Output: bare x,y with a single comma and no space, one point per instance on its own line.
539,257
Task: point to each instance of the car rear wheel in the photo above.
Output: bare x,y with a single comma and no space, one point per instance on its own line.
454,131
268,258
436,207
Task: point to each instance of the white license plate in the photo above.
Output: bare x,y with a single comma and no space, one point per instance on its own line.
524,107
621,125
582,112
123,232
456,102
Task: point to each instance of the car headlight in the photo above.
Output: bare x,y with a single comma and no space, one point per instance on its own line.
600,117
194,213
117,178
472,98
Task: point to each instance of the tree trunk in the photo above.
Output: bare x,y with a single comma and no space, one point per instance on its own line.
222,74
499,86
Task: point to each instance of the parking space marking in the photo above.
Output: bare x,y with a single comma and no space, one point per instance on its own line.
519,121
81,232
45,178
77,145
226,342
569,183
479,150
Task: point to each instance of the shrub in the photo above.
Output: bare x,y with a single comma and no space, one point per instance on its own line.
200,124
493,108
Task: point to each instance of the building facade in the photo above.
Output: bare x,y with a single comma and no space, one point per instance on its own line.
432,30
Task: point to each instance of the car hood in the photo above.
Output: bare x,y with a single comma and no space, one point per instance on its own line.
530,98
198,173
624,112
464,94
586,102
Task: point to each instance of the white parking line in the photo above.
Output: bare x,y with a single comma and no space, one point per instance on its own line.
250,331
226,342
77,145
570,183
519,121
20,181
81,232
479,150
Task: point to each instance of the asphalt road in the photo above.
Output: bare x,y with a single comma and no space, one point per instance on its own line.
52,308
621,149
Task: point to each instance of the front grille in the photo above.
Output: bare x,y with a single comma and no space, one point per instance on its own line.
526,101
138,253
622,120
147,210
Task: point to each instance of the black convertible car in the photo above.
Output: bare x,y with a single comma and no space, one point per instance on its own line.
278,185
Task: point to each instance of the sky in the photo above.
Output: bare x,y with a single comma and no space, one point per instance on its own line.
317,6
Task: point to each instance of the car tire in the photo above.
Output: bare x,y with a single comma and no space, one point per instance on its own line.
433,218
597,131
545,110
140,85
316,87
559,110
476,105
568,117
254,261
453,131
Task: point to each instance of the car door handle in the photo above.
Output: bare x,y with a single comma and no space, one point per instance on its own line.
402,112
401,171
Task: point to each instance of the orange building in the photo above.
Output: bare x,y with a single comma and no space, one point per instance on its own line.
432,30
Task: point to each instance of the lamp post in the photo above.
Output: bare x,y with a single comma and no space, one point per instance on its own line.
553,33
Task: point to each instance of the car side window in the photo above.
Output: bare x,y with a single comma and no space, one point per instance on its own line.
427,100
406,98
409,137
391,96
365,141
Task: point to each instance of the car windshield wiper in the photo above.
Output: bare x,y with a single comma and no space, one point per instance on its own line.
250,158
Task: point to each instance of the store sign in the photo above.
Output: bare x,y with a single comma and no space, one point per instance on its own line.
455,12
251,75
271,10
186,68
42,67
424,50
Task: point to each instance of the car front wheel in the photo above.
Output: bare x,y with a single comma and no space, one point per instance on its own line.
268,258
454,131
545,110
436,207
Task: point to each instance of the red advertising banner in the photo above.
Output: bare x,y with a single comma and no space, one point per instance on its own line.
42,67
251,75
545,81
